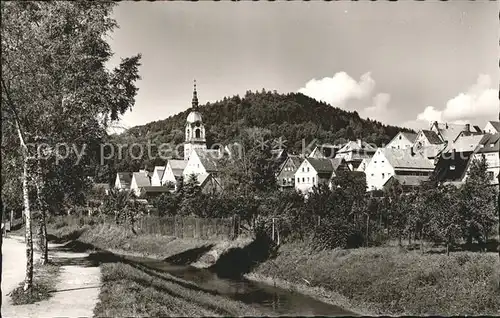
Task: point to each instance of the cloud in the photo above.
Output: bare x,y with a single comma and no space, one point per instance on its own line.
479,101
430,114
378,110
339,89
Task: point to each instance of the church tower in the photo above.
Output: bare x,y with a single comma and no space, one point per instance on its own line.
195,131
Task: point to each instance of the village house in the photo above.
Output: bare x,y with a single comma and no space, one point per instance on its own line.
354,152
101,188
453,162
428,144
173,172
209,184
490,149
149,192
315,171
157,176
363,164
139,180
325,151
388,162
403,140
202,162
123,180
285,177
492,127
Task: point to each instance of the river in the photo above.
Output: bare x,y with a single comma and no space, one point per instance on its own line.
281,302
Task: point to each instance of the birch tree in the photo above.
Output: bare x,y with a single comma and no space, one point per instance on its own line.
56,85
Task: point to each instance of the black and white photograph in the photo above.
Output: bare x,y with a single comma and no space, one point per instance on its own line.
250,158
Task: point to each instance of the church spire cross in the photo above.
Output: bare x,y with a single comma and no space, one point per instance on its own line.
194,102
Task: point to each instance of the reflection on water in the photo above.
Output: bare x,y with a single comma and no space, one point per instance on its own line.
280,301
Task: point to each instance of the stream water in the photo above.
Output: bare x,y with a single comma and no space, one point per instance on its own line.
277,300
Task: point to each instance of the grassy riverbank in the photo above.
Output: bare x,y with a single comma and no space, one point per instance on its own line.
131,289
377,280
389,280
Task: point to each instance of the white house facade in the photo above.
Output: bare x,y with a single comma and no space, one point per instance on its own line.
173,171
139,180
490,149
402,140
492,127
157,176
387,162
315,171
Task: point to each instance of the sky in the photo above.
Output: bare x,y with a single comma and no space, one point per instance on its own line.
403,63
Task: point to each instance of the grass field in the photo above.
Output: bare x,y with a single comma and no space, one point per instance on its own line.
389,280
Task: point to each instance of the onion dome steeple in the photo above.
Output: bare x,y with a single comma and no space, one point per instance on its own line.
194,102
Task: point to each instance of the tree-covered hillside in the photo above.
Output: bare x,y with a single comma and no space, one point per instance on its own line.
292,116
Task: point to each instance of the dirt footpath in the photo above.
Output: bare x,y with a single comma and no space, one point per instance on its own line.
76,292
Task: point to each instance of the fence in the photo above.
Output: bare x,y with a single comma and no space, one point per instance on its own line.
189,227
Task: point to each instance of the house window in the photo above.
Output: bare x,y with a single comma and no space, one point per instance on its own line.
452,167
372,174
284,181
303,180
307,169
307,179
298,180
382,161
399,137
303,169
375,161
313,179
491,175
383,175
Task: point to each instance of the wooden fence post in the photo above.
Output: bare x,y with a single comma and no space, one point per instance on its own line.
273,231
367,224
175,226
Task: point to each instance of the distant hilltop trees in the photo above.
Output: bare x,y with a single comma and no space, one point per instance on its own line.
293,116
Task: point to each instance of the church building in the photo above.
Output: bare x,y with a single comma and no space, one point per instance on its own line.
195,130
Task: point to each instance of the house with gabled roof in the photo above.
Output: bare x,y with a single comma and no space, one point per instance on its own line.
489,147
209,183
285,176
353,152
202,162
492,127
139,180
123,180
157,176
173,172
315,171
406,182
403,140
149,192
388,162
428,144
327,151
363,164
454,161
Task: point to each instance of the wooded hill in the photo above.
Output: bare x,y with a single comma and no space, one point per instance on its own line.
293,116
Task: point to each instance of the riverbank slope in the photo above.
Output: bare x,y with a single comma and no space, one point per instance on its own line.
381,280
